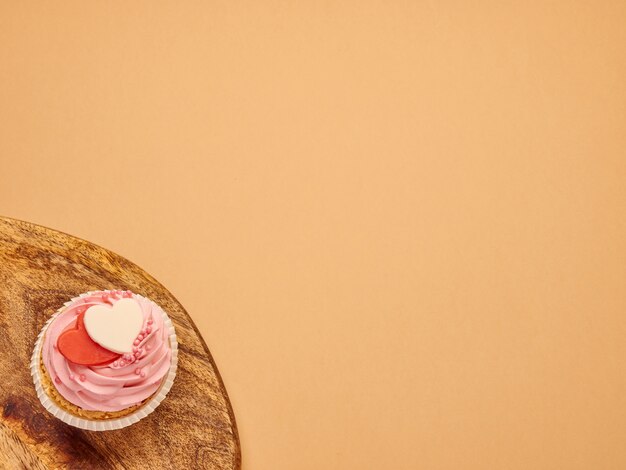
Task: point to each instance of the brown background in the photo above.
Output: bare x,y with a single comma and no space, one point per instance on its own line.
400,226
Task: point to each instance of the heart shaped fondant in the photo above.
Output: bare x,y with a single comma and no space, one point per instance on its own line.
115,328
77,347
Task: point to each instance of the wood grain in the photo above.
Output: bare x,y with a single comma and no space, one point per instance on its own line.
193,428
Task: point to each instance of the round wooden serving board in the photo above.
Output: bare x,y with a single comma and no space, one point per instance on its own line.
194,427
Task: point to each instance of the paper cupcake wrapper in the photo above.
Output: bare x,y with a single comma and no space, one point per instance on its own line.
108,424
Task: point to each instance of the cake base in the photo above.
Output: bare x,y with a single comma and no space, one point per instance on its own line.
61,402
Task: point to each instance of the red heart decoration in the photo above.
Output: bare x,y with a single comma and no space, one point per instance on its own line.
77,347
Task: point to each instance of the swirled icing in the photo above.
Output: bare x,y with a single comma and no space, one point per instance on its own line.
117,385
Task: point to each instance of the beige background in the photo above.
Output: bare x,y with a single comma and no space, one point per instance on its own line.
400,226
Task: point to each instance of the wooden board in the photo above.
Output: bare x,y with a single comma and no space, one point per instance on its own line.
193,428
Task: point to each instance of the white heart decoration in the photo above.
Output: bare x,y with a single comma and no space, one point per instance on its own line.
114,328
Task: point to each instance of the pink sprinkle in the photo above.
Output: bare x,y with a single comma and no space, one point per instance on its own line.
71,376
138,353
143,374
122,363
137,371
105,296
140,337
150,322
82,377
134,348
127,294
57,380
136,342
148,330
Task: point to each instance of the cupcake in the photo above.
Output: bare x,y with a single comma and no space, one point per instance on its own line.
105,360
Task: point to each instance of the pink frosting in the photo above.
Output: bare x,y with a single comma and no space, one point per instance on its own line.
122,383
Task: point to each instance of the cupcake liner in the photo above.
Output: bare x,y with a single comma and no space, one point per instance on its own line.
109,424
